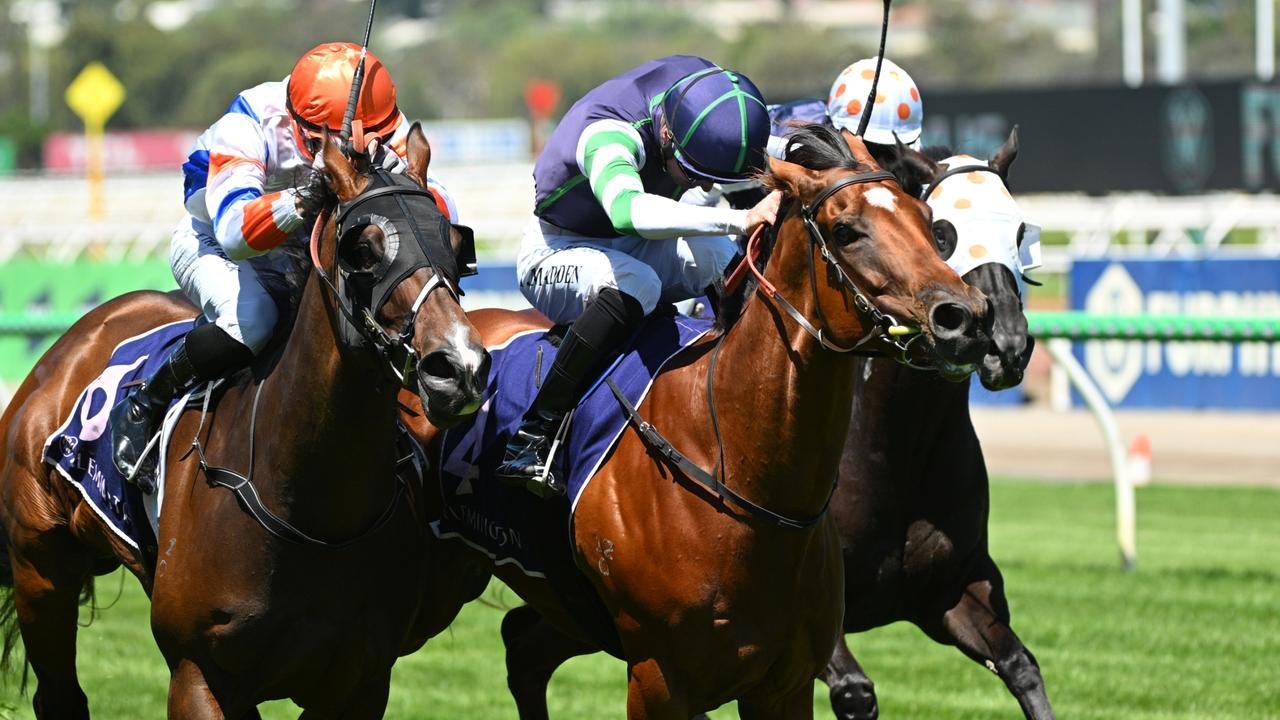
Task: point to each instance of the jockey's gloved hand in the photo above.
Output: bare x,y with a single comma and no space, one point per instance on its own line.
384,157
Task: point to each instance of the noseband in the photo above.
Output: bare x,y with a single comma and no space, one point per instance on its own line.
396,351
884,325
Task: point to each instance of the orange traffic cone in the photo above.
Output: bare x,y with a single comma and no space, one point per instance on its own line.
1139,465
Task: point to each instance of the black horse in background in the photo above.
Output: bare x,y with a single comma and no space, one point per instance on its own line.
912,504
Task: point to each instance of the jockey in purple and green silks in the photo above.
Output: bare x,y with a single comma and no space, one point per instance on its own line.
610,239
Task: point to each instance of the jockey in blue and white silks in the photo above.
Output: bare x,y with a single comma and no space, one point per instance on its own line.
242,199
609,239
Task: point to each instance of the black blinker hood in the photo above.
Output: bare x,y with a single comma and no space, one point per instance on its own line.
417,236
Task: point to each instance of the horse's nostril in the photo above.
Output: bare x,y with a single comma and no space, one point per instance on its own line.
950,319
438,365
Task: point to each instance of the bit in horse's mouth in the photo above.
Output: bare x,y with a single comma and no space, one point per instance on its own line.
952,372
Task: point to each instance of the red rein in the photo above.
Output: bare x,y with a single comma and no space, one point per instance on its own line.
316,232
739,274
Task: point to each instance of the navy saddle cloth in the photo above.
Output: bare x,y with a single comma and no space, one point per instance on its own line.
80,450
508,523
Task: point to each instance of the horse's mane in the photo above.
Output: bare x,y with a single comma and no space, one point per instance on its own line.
813,146
821,147
938,153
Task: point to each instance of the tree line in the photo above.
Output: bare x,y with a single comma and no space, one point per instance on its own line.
471,58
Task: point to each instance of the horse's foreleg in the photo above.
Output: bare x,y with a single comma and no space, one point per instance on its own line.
853,695
191,697
650,695
535,648
978,625
48,575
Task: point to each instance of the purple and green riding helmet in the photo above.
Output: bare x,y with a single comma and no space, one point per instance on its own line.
718,124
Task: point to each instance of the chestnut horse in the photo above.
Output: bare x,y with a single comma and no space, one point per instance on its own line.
738,597
241,614
911,504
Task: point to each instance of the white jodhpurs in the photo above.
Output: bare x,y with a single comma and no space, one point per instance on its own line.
232,295
560,271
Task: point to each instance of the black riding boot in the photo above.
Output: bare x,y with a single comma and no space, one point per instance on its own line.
205,354
589,346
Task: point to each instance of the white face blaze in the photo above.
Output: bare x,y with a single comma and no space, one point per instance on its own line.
468,356
881,198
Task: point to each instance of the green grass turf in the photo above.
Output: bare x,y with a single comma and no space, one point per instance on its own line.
1194,632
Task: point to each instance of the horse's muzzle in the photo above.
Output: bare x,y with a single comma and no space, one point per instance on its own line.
451,383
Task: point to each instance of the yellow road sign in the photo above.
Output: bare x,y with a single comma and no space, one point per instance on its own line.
95,94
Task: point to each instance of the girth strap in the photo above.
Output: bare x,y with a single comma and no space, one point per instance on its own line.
247,493
654,439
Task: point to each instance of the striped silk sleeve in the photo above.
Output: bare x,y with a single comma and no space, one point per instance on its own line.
443,199
246,220
610,155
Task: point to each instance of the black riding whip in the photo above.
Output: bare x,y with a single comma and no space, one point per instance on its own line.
357,80
875,80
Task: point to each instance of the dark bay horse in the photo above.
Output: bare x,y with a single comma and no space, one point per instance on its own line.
243,615
912,502
711,602
911,505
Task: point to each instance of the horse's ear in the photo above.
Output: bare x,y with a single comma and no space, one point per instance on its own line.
1005,156
913,169
419,154
792,179
337,170
858,147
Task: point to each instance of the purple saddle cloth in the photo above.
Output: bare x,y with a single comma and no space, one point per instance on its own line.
80,450
508,523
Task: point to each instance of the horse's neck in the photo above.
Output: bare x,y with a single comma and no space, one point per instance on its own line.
787,398
326,428
906,423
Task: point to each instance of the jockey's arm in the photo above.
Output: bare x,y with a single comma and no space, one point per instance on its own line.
247,221
610,155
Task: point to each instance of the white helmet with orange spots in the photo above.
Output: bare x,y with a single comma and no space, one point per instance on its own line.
898,108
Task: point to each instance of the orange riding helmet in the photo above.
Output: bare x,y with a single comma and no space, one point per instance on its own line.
320,87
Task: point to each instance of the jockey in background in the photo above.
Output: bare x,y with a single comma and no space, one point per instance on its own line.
609,241
897,110
242,199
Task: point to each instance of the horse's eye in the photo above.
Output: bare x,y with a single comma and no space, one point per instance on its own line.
844,234
1022,229
365,257
362,254
944,238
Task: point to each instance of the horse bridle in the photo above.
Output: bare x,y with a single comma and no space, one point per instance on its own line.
883,325
395,351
